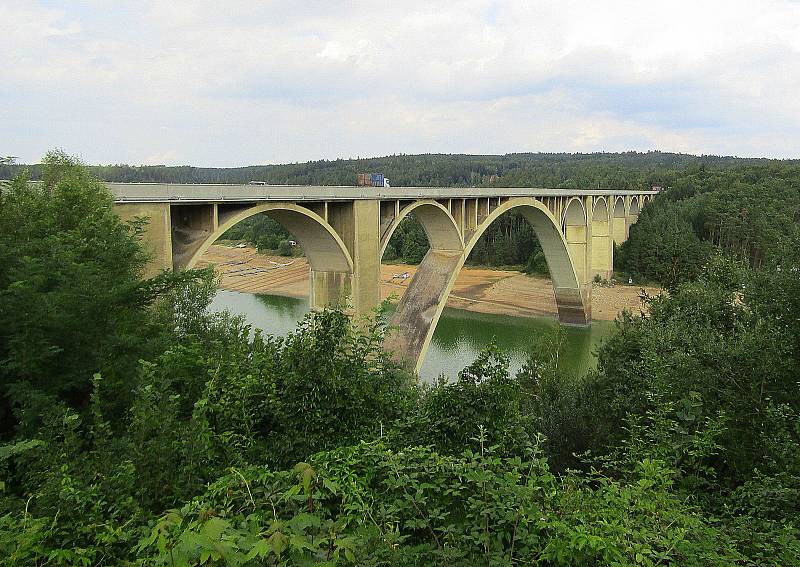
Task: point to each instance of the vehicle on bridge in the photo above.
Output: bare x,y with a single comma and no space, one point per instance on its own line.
371,180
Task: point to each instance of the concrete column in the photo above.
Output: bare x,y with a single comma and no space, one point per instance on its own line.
470,217
358,225
602,246
366,292
578,234
192,225
620,230
329,289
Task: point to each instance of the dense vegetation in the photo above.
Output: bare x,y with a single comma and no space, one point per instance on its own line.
748,212
137,428
266,234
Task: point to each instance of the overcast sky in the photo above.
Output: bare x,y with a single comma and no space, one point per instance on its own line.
229,83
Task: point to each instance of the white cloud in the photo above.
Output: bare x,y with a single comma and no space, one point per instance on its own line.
251,82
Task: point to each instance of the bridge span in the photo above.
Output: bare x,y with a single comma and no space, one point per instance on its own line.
344,232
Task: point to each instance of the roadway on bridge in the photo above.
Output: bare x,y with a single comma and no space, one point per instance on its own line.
206,193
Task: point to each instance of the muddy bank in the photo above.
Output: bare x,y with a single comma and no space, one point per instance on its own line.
476,289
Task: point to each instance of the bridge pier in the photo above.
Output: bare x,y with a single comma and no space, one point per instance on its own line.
602,244
329,289
366,256
358,225
619,221
191,225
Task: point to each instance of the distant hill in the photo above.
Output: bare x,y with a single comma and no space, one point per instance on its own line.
554,170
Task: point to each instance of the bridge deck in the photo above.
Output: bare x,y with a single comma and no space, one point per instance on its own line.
205,193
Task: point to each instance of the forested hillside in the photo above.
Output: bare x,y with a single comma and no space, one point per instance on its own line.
137,428
747,212
629,170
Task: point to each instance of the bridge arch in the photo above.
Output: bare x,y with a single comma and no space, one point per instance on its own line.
421,306
322,246
330,262
439,225
633,206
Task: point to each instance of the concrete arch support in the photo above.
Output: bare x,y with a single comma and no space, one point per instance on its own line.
421,305
331,265
577,233
420,308
573,295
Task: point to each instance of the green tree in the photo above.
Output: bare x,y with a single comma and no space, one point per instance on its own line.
71,299
284,248
663,246
413,240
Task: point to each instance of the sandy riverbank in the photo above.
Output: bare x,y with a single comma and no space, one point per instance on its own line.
476,289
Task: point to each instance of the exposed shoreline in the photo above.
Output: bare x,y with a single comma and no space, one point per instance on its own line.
479,290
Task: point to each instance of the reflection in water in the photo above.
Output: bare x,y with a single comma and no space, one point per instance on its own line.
276,314
459,336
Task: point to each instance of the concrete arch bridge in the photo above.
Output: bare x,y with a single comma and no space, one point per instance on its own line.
344,232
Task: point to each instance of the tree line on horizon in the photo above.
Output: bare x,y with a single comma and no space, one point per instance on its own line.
626,170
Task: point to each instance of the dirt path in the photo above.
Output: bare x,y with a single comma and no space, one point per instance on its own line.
476,289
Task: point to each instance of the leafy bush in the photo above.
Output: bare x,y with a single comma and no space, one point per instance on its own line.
483,398
284,248
370,505
663,246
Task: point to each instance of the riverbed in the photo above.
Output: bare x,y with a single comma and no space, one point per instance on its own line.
458,339
479,290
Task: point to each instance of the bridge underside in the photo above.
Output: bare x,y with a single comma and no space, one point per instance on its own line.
345,239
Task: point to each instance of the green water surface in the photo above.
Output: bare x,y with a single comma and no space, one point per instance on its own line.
457,341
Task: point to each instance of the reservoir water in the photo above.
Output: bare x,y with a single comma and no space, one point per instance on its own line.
458,339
